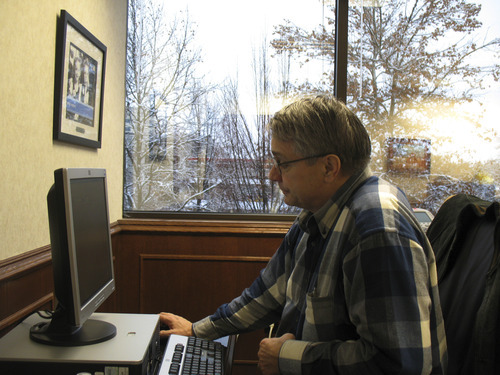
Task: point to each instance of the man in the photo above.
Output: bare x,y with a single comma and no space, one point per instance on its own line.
353,283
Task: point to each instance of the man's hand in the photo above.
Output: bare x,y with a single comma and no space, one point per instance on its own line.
177,325
269,350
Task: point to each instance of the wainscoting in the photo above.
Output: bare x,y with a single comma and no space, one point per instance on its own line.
188,267
25,286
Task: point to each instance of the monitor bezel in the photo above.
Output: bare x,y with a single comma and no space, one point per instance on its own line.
81,311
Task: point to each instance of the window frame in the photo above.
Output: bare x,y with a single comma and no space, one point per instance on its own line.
340,63
340,91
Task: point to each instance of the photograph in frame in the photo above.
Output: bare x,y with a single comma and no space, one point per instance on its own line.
80,68
406,155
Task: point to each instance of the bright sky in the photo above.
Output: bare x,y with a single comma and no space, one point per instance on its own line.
229,30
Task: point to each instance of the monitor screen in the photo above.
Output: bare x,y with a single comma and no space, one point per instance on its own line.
81,257
91,237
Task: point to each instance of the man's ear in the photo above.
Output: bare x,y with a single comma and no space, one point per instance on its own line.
333,166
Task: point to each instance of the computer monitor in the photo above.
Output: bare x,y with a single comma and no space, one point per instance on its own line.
81,257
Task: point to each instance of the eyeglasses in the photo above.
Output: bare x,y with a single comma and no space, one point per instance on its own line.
285,163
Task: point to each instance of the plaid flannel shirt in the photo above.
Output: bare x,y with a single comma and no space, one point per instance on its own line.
355,282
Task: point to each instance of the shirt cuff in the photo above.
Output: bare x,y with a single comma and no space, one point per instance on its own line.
205,329
290,357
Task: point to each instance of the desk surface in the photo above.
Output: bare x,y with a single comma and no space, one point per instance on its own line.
136,338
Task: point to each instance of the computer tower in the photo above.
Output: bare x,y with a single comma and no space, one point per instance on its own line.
135,350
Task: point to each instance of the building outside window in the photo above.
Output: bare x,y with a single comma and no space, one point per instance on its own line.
204,78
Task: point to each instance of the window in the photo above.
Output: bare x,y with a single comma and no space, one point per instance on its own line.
423,76
203,79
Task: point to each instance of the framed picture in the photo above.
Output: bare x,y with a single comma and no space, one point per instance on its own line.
79,84
409,155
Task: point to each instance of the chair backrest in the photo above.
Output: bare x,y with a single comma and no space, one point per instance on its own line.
465,239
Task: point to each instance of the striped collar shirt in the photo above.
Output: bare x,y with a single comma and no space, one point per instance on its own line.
356,284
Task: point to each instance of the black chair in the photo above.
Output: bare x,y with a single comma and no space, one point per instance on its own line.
465,236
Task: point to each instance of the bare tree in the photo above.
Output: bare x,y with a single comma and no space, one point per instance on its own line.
161,87
200,176
402,54
409,61
246,141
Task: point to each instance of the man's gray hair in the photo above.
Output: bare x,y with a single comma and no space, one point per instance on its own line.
324,125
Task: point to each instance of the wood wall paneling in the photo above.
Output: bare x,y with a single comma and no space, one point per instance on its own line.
194,285
26,285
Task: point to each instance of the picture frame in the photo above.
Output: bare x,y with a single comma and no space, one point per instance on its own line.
79,84
407,155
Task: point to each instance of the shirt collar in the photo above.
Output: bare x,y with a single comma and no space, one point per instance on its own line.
326,216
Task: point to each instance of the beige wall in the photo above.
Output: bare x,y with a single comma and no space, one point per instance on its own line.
28,155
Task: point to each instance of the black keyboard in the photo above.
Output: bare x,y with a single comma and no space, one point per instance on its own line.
191,355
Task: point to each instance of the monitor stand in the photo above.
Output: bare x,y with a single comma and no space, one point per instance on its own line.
61,334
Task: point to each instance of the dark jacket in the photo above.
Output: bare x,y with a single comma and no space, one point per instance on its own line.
465,236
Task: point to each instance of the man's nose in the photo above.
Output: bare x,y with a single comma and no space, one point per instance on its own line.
274,174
